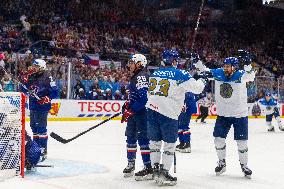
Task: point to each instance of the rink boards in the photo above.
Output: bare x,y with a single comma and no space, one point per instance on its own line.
83,110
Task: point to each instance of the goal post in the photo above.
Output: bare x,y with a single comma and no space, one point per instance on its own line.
12,134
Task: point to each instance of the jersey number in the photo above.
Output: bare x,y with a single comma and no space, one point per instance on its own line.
163,89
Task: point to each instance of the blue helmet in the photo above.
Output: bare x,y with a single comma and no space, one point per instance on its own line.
169,56
267,93
233,61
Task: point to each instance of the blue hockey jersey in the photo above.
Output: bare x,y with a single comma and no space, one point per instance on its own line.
138,88
42,85
190,103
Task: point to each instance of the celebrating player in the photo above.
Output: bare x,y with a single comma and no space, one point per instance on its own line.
39,83
167,88
184,133
271,109
134,113
232,109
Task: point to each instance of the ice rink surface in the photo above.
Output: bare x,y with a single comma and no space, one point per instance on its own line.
96,160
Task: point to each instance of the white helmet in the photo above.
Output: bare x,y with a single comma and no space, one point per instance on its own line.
41,63
139,58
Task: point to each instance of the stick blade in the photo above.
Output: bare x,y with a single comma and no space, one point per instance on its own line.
58,138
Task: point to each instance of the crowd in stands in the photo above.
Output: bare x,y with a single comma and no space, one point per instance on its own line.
116,29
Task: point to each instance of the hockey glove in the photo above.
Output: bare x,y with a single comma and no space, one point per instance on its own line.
248,68
44,100
126,115
125,106
26,76
200,67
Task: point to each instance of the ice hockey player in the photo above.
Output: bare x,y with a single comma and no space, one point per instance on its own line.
232,109
32,152
205,103
184,133
166,94
39,83
135,114
271,109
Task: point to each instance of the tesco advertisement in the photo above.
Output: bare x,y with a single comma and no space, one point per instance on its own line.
102,109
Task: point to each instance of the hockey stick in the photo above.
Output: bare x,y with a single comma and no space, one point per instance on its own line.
23,85
195,31
175,163
51,166
64,141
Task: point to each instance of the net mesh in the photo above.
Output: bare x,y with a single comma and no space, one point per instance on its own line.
11,131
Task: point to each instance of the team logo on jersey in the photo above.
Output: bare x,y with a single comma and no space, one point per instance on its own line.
226,90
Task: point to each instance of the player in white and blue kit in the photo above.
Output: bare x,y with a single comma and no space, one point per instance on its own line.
271,107
166,94
232,109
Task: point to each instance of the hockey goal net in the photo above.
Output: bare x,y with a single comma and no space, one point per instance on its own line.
12,134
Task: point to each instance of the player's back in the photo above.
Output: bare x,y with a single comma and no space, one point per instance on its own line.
167,87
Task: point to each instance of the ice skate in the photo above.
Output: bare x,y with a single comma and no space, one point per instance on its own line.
165,179
247,172
186,148
156,171
144,174
271,129
43,154
129,169
179,146
221,167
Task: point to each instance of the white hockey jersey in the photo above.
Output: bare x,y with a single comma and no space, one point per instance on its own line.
167,88
269,106
231,93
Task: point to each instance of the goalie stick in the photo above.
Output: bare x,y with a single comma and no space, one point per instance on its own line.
64,141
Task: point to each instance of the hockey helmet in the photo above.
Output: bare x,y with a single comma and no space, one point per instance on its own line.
138,58
41,63
233,61
267,93
169,56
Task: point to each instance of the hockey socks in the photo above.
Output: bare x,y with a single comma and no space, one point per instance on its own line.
220,146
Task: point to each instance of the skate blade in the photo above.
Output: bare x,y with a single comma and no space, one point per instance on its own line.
166,183
248,176
185,151
126,175
221,172
146,177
